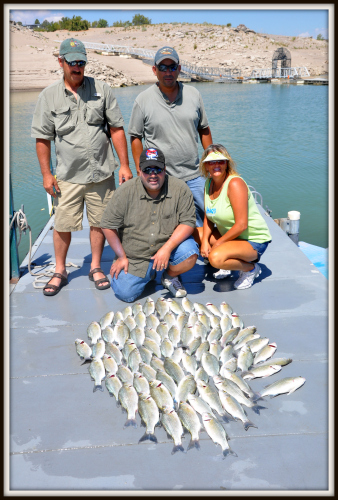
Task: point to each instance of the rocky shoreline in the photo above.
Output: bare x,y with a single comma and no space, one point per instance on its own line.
33,64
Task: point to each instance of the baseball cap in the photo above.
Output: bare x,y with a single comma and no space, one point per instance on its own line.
73,50
166,53
215,155
152,157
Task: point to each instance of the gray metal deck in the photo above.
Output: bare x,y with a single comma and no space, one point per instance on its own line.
65,437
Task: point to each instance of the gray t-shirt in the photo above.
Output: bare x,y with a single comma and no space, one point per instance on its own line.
83,150
171,127
145,224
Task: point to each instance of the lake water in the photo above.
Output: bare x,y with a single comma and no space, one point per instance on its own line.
277,134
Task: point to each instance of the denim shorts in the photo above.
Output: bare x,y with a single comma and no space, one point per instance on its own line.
260,248
128,287
197,188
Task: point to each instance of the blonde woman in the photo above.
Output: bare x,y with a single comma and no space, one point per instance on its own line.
241,235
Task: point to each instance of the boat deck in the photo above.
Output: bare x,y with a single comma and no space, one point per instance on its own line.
65,437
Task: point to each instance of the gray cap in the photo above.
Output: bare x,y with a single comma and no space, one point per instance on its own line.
73,50
166,53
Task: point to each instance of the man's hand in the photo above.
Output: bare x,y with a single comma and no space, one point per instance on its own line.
49,182
161,259
205,249
125,174
118,265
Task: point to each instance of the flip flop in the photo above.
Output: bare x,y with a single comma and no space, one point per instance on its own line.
56,289
101,280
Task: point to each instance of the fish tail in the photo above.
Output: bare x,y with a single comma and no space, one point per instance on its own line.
194,443
229,451
248,424
178,447
148,436
130,422
256,408
96,387
257,396
87,360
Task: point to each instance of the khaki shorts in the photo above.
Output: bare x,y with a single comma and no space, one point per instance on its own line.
69,204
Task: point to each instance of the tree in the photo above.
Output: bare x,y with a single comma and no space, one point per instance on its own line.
102,23
36,21
19,23
94,24
138,20
320,37
229,25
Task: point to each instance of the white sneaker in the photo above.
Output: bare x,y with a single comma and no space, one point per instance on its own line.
246,280
221,274
174,285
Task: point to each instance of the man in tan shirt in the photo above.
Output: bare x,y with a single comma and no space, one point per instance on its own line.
75,112
149,224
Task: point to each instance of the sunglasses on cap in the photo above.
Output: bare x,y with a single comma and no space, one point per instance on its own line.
76,63
164,67
153,170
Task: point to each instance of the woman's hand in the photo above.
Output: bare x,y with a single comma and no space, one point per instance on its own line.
205,249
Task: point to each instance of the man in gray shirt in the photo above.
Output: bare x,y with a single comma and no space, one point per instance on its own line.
75,112
170,115
149,224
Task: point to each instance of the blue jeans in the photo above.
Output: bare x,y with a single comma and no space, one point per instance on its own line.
128,287
197,188
260,248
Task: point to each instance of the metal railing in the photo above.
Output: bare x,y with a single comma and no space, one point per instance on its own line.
280,72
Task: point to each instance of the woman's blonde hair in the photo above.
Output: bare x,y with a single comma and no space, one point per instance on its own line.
231,165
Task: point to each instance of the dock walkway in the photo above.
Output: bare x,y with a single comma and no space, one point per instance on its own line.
65,437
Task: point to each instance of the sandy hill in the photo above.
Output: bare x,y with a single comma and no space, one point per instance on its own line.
33,65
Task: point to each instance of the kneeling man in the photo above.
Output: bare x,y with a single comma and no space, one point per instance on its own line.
148,223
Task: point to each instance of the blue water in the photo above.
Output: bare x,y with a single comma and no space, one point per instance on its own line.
277,134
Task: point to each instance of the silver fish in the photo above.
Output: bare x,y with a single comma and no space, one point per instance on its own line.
233,389
147,371
113,384
204,319
127,348
226,354
129,400
262,371
174,335
173,369
236,321
125,374
94,332
225,309
177,355
98,349
153,335
215,334
277,361
234,409
213,309
243,333
83,350
193,345
166,348
152,321
156,363
210,396
200,331
198,404
107,320
130,322
162,307
140,319
108,334
203,347
201,308
134,360
265,353
167,381
127,311
189,363
191,422
225,323
257,344
187,305
97,372
231,365
170,319
146,355
109,364
118,316
246,340
137,335
210,364
175,307
149,306
185,387
140,383
181,321
160,394
215,321
121,333
162,330
228,336
245,358
173,426
286,385
215,349
113,351
217,433
187,335
152,346
150,415
244,386
136,308
201,374
192,318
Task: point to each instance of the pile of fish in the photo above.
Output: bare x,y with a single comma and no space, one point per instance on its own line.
182,365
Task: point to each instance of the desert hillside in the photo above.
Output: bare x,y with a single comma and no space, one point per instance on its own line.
33,64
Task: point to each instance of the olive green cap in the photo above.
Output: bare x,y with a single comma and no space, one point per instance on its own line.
73,50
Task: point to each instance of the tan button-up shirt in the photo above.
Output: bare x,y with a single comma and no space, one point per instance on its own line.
83,149
144,223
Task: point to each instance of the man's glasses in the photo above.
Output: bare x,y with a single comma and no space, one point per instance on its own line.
164,67
74,63
153,170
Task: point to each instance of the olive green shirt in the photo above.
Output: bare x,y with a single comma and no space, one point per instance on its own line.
145,224
83,149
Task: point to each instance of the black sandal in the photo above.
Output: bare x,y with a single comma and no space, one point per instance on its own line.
101,280
56,289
